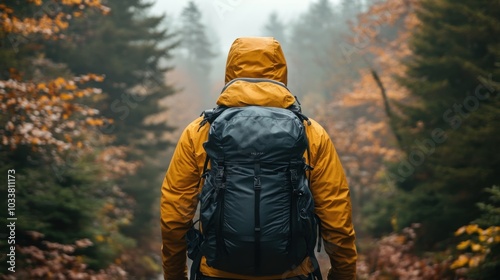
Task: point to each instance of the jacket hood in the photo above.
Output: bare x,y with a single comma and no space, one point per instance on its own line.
255,92
256,74
256,57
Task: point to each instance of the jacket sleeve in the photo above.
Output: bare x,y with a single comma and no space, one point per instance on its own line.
333,205
178,206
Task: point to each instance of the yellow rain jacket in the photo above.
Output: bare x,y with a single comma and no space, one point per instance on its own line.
257,58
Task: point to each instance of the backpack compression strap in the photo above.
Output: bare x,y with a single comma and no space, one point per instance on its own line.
296,109
210,115
195,265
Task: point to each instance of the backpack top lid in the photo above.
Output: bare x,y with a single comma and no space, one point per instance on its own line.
267,134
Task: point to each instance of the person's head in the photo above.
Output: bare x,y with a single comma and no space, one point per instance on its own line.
256,57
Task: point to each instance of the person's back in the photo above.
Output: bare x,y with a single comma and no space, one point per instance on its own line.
256,75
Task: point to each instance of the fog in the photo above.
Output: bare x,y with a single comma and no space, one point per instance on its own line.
226,20
230,19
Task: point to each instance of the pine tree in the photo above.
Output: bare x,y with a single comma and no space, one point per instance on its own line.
318,66
451,133
197,49
276,28
48,137
350,9
312,38
132,49
194,38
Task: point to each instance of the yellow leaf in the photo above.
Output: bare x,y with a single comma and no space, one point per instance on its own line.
488,231
475,247
41,86
59,82
99,238
94,122
461,261
463,245
470,229
475,261
70,86
460,231
37,2
65,96
43,98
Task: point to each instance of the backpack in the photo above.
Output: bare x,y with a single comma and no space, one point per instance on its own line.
256,209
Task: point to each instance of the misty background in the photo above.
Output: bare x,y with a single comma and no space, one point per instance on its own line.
95,94
224,21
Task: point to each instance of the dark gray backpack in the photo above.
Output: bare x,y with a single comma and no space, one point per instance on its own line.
257,212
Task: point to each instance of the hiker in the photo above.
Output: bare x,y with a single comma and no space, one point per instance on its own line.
254,201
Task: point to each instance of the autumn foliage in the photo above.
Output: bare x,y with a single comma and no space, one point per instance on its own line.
405,85
48,22
50,260
44,115
396,257
71,174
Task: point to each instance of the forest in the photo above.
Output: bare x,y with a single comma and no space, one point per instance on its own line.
94,95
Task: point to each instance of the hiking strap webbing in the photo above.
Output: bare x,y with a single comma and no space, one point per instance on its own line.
293,214
195,267
309,167
316,270
220,184
204,173
257,188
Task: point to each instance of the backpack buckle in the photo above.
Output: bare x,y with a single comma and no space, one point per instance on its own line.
307,167
219,177
256,183
293,177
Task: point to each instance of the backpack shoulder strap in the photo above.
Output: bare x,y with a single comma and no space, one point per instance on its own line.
210,115
297,110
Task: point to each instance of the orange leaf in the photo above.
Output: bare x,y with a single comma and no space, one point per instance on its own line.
70,86
59,82
65,96
463,245
470,229
476,247
41,86
460,231
461,261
